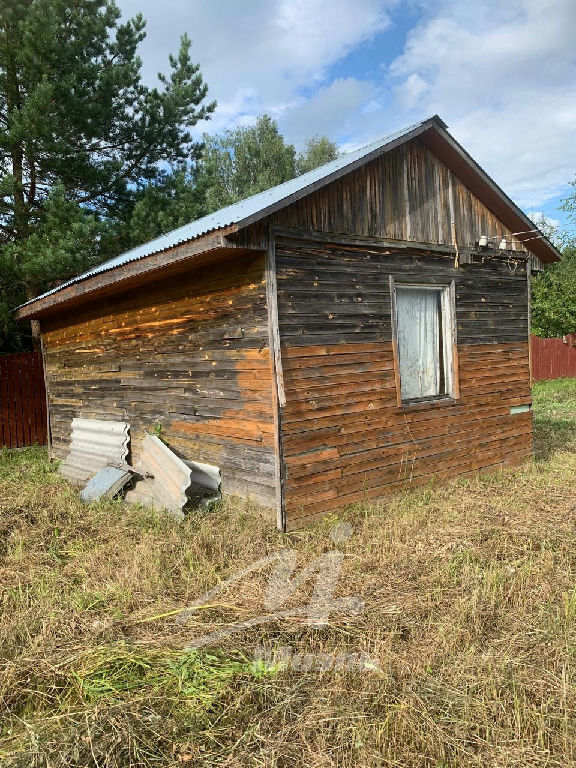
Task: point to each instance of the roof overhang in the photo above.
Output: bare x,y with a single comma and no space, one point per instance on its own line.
135,274
114,275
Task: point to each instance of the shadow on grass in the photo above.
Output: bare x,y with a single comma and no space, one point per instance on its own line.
553,435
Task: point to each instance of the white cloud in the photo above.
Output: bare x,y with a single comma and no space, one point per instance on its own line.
259,55
333,111
411,90
539,217
503,76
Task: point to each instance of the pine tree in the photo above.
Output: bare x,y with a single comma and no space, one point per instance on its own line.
78,133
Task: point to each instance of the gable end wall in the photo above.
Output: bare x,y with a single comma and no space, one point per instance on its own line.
344,437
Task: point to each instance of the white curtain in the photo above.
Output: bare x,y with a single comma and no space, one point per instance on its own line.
418,323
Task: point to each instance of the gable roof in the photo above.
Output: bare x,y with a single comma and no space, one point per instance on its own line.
263,204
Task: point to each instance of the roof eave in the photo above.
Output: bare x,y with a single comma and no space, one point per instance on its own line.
199,250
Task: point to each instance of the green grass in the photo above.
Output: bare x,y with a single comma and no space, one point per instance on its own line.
470,595
554,416
555,399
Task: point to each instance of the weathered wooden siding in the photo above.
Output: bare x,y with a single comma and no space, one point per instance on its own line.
344,438
406,194
191,352
188,352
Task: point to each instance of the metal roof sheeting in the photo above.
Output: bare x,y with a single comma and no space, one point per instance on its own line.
245,210
94,445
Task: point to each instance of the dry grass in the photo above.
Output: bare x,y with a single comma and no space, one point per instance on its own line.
470,593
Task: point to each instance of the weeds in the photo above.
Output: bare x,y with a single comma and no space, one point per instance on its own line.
470,614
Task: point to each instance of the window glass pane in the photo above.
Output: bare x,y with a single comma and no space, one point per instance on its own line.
420,342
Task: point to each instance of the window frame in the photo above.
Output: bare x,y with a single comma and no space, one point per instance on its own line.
449,327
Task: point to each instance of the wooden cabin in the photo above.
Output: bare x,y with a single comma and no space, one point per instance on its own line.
325,342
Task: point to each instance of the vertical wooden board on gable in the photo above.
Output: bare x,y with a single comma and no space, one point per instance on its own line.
373,201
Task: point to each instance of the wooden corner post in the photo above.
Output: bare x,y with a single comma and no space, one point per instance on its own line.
278,392
45,374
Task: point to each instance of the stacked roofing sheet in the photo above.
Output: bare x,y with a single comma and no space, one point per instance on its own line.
97,461
166,478
95,444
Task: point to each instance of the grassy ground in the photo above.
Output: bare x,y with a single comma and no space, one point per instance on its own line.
470,614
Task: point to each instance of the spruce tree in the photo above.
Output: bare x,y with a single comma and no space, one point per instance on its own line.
79,132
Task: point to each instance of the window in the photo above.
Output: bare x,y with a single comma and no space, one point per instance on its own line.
424,328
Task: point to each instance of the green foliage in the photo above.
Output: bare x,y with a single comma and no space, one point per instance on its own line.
233,166
79,132
554,416
554,297
318,151
554,290
244,161
197,677
250,159
65,239
94,161
569,204
172,200
158,431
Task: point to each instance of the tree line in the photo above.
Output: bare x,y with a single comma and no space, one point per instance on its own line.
95,162
554,289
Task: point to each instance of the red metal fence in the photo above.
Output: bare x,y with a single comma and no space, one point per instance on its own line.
22,400
553,358
23,396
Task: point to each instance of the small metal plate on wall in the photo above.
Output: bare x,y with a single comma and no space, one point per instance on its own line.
520,408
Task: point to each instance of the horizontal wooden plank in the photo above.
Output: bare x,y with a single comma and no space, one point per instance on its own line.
299,518
374,488
190,354
395,451
347,442
343,431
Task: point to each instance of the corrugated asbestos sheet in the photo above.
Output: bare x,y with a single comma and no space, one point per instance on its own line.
244,210
95,444
205,483
167,478
106,484
97,459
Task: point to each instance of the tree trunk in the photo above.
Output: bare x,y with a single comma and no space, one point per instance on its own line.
34,324
36,341
21,204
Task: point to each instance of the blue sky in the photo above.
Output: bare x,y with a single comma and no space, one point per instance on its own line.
501,74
